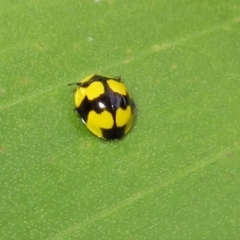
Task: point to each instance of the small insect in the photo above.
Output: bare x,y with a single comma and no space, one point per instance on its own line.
105,106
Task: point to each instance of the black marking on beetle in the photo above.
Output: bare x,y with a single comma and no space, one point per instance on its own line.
84,108
113,133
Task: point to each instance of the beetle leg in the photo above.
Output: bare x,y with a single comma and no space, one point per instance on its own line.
117,78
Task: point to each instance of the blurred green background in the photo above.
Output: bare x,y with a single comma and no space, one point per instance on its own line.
176,175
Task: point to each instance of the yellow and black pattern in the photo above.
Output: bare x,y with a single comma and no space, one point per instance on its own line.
105,106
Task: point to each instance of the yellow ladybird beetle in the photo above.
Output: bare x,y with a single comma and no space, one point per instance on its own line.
104,105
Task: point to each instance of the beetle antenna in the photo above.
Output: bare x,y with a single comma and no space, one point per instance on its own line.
70,84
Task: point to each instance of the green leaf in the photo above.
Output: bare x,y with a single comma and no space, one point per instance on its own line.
175,175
